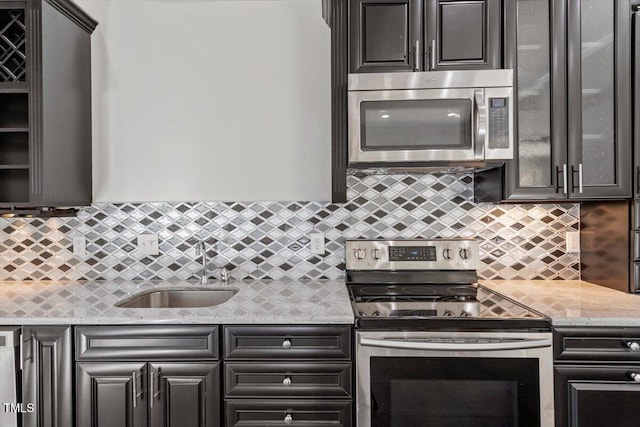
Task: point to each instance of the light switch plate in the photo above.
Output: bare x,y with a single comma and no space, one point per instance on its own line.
573,242
79,246
317,243
148,244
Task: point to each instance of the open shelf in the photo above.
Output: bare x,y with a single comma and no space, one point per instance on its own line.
10,167
14,185
14,148
14,111
13,57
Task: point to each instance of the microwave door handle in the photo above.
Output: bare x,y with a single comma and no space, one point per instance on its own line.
461,346
481,124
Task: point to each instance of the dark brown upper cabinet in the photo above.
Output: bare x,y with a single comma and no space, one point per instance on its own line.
45,104
424,35
573,68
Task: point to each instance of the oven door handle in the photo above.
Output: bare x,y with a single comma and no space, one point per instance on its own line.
461,346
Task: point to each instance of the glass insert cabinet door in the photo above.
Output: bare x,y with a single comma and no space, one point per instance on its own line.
572,70
599,61
537,53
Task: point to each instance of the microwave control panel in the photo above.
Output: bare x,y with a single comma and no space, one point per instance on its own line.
498,123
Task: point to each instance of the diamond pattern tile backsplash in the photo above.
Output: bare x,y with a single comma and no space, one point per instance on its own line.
261,240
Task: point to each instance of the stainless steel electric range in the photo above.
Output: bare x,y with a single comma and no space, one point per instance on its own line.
435,348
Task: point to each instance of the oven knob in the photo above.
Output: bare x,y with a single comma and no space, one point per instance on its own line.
464,253
633,346
465,314
287,381
376,314
359,253
448,313
288,419
375,253
635,376
446,253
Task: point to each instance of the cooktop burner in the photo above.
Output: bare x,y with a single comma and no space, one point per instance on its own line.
482,303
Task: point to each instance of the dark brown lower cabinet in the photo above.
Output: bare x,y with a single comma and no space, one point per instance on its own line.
263,413
111,394
597,376
287,380
276,375
184,394
597,396
133,394
47,374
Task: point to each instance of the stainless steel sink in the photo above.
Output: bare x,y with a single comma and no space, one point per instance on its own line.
177,298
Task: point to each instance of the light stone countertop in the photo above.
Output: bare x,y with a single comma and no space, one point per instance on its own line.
257,302
566,302
572,302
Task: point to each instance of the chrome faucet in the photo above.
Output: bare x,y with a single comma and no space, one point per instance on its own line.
201,251
223,273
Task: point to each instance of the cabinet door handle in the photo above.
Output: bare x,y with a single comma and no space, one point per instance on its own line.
580,178
134,387
579,172
433,55
136,394
155,394
633,346
564,178
416,56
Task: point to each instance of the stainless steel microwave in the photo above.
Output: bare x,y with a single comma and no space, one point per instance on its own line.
448,118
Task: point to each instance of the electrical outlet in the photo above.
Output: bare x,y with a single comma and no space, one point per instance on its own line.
573,242
148,244
79,246
317,243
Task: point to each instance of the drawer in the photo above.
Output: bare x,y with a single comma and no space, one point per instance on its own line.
287,342
261,413
146,342
597,344
302,379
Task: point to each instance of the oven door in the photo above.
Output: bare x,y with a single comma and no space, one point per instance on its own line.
445,125
419,379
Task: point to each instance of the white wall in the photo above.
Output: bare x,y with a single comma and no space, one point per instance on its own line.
197,100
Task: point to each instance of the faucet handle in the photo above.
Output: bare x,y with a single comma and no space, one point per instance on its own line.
200,248
223,275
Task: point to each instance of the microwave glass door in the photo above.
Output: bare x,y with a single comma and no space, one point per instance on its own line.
455,392
420,124
413,125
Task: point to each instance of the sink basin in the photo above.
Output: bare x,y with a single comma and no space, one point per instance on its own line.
177,298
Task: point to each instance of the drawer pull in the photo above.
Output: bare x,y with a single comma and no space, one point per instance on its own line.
635,376
287,381
286,343
633,346
288,419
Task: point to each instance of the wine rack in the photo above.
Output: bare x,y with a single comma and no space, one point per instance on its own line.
13,57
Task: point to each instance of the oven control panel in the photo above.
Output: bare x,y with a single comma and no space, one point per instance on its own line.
437,254
412,253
